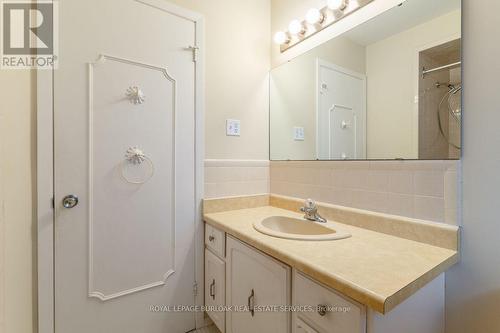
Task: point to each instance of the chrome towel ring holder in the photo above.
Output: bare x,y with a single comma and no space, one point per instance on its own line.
136,156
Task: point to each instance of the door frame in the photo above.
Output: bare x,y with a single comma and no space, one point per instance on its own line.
45,171
323,63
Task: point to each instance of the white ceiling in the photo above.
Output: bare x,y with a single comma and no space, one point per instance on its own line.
411,13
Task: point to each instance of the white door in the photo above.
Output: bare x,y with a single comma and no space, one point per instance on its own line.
124,113
341,113
256,281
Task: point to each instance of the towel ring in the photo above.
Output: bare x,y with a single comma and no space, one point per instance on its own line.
136,156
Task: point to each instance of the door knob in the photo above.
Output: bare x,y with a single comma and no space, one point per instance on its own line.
322,309
70,201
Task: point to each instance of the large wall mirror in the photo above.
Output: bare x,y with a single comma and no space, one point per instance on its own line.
388,89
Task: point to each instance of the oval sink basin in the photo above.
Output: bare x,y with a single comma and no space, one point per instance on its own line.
299,229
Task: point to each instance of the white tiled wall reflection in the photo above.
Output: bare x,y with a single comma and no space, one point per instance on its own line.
419,189
226,178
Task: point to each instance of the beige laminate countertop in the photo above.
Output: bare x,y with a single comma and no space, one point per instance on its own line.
373,268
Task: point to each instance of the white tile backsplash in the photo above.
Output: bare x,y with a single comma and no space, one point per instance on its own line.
418,189
228,178
429,183
401,182
400,204
430,208
370,200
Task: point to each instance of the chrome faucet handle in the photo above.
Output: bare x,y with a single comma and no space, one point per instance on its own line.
310,207
310,204
311,211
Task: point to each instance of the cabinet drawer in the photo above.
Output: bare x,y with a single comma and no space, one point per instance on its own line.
215,240
215,289
339,315
300,326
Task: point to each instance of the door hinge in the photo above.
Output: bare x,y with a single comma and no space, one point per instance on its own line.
195,289
53,202
194,49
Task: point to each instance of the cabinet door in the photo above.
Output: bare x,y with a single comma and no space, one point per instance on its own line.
254,281
215,285
301,327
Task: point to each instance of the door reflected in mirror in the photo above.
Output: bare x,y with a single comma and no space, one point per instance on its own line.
390,88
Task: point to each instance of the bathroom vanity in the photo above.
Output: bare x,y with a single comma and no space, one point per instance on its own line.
371,282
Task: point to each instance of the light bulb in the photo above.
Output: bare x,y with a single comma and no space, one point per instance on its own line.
314,16
296,27
337,4
281,38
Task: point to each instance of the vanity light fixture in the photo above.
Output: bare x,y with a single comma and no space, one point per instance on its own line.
296,28
337,4
316,20
281,38
315,16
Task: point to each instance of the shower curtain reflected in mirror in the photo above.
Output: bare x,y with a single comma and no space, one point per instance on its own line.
440,98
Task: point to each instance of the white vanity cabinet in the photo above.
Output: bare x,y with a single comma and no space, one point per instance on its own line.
255,281
253,285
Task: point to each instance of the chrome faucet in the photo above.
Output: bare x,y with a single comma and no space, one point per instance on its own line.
311,212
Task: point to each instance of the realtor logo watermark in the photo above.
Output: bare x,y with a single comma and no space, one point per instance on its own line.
29,36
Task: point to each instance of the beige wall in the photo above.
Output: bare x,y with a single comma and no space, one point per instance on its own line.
17,160
392,70
238,44
293,100
473,286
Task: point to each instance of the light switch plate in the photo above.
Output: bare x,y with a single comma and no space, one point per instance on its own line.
233,127
298,133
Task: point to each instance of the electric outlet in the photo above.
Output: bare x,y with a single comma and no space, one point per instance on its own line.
298,133
233,127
